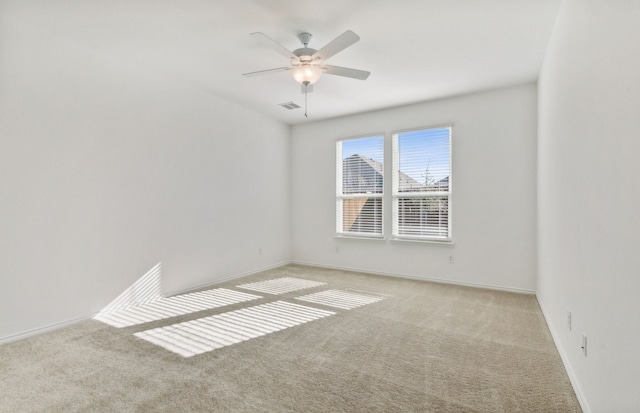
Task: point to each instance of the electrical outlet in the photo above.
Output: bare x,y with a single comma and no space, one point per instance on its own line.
259,251
451,259
584,345
569,319
337,250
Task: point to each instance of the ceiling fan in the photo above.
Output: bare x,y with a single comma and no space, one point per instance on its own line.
307,64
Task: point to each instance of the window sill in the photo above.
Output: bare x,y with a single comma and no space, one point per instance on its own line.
448,243
364,237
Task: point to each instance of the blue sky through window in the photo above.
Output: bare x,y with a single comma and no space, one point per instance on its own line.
419,150
422,149
371,147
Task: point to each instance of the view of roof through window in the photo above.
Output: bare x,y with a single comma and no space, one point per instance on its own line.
429,162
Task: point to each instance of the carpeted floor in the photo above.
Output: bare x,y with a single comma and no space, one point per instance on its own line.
418,347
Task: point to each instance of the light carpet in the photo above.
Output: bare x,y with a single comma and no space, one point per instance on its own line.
424,347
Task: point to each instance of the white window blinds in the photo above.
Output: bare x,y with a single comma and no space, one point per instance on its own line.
359,186
422,184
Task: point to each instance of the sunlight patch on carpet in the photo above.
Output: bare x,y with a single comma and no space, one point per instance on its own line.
281,285
343,299
173,306
210,333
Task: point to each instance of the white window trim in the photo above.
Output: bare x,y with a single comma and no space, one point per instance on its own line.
389,197
340,196
396,195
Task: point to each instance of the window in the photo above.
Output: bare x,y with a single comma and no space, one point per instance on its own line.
422,184
359,186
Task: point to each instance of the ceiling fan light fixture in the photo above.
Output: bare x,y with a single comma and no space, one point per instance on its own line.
307,64
307,74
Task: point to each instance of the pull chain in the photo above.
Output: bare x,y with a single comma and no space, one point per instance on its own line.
306,85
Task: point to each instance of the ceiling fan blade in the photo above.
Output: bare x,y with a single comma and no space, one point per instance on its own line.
306,89
266,72
337,45
275,46
346,72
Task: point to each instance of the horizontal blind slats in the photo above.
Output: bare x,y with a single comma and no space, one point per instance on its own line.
421,185
359,185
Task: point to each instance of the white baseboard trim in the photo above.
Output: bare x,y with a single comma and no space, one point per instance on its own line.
42,330
421,278
63,324
565,360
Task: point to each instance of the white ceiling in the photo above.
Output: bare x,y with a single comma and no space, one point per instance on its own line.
416,50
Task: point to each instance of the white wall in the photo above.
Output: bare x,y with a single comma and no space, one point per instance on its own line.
106,171
494,198
589,193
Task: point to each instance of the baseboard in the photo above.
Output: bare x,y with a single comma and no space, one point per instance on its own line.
63,324
42,330
565,360
421,278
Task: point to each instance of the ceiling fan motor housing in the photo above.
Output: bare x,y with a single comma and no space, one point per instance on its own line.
304,54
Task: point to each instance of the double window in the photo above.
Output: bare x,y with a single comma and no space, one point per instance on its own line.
420,185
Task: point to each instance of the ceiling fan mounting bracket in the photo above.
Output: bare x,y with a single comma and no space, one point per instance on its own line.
305,38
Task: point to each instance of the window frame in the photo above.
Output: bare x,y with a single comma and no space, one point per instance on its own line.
341,196
396,195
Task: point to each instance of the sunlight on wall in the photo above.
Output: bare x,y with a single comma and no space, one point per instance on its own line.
146,289
173,306
143,302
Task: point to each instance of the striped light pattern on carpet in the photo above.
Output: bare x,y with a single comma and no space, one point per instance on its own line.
210,333
343,299
174,306
280,285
